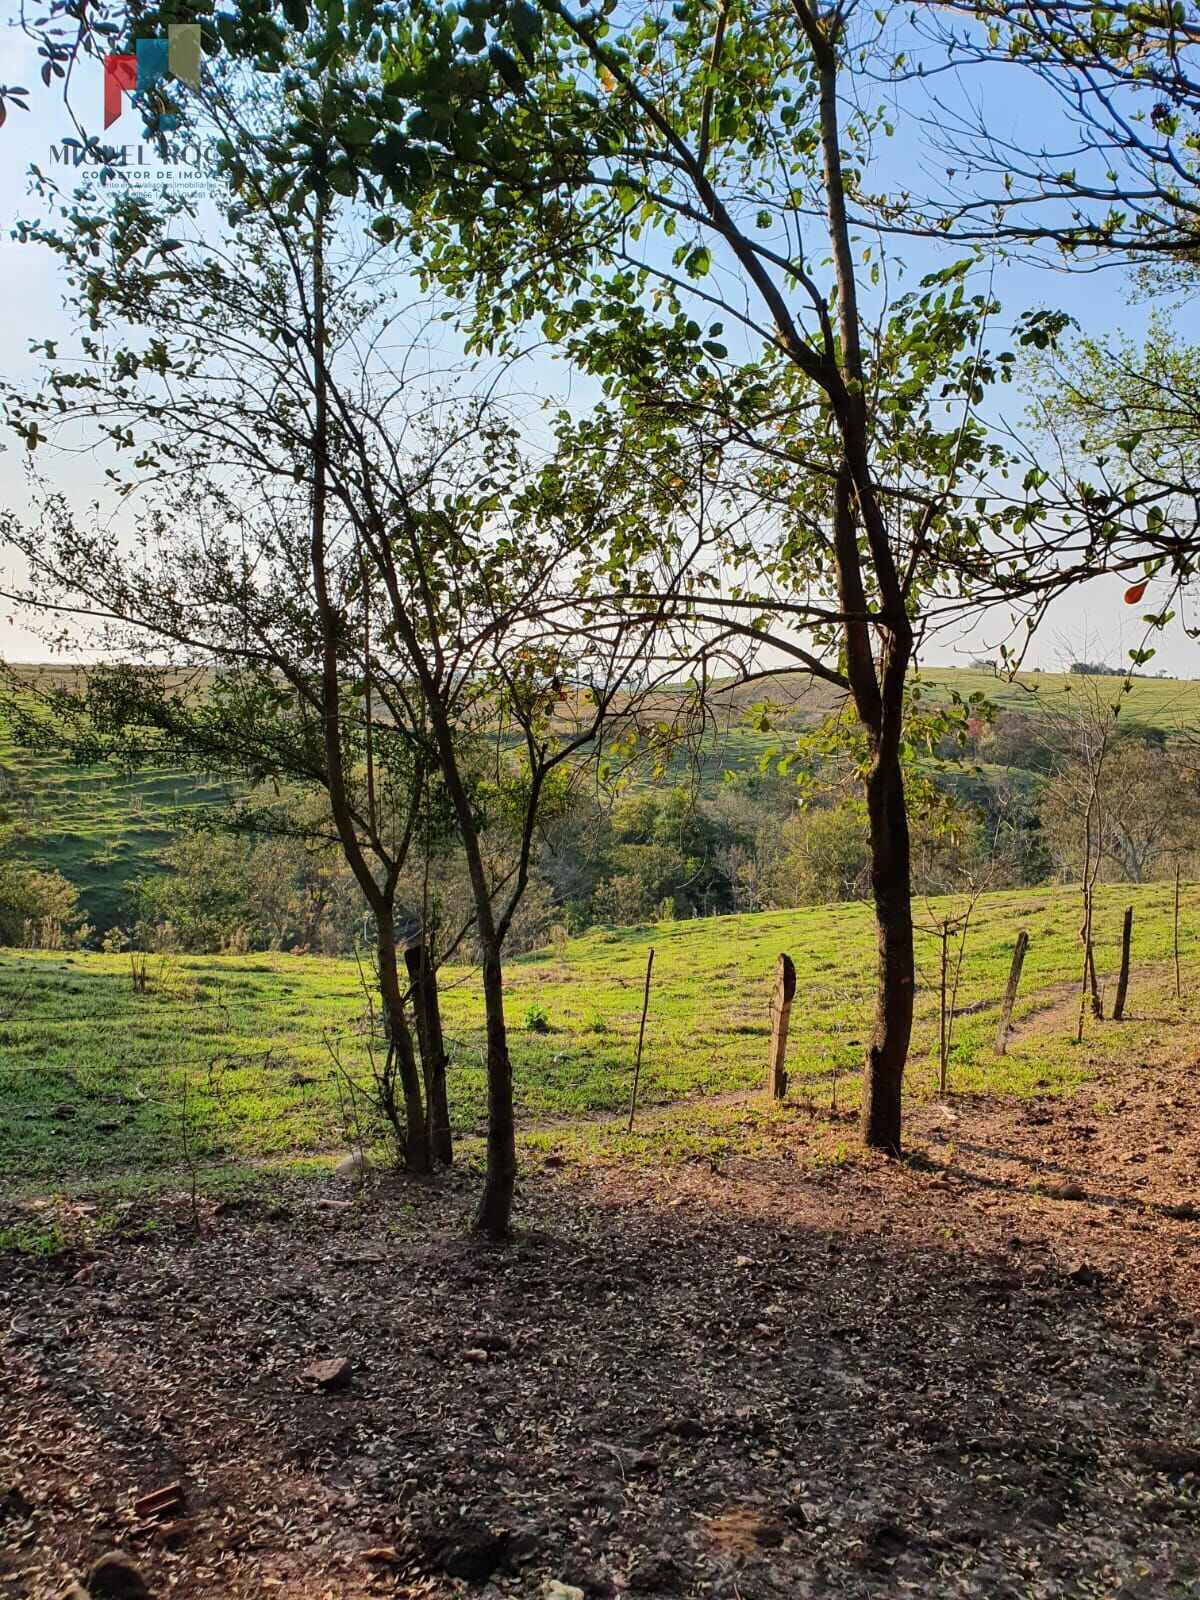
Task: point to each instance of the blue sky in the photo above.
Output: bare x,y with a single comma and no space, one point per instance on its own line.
1091,620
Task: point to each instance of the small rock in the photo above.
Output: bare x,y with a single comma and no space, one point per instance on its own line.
1176,1461
676,1428
329,1375
75,1591
1084,1273
14,1504
655,1573
355,1166
882,1541
116,1577
1067,1191
466,1549
524,1545
795,1514
555,1590
64,1111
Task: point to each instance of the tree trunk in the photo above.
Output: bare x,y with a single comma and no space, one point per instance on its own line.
1092,979
423,984
887,1047
495,1203
417,1155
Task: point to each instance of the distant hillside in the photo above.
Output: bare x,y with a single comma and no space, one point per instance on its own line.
98,826
1167,703
101,827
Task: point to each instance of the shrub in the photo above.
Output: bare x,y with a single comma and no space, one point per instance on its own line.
536,1019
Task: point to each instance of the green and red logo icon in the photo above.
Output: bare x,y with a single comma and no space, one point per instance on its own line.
176,56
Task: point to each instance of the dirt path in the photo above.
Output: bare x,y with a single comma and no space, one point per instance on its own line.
743,1377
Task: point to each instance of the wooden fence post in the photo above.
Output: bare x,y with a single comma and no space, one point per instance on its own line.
781,1013
1010,994
1118,1010
637,1065
1175,938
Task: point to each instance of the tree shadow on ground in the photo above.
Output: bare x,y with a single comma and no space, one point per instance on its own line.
670,1387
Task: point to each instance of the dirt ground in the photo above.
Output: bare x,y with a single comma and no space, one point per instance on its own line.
975,1373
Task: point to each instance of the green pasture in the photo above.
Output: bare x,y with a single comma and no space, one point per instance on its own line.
100,827
243,1059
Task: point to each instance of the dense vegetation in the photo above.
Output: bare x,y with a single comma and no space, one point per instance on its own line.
152,859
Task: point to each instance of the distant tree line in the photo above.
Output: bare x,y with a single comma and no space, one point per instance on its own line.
1004,807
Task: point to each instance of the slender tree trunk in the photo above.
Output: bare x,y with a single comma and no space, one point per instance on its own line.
1175,935
316,910
1091,983
495,1203
423,985
887,1046
943,1043
417,1155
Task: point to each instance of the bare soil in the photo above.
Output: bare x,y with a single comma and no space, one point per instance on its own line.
745,1377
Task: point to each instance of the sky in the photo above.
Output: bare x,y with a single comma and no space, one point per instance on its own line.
1090,623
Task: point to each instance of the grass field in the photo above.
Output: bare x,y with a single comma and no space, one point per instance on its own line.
231,1059
99,827
1167,703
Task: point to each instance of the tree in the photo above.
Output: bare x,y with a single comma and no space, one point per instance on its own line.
200,407
1115,182
619,186
1119,181
623,183
1147,806
1123,418
397,599
1085,721
825,857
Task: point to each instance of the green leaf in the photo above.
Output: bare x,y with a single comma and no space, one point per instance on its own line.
510,73
698,261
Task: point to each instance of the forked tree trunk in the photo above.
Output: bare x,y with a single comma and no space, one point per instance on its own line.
423,985
417,1155
887,1046
400,1046
495,1203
